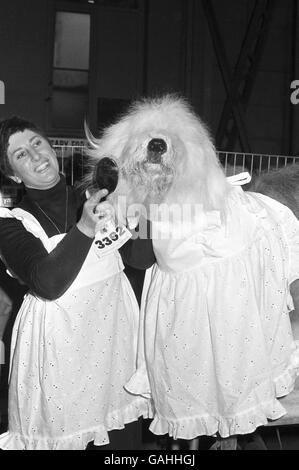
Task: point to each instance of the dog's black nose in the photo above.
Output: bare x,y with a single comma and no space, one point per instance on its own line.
155,149
157,146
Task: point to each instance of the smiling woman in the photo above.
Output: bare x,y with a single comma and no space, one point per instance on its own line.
32,160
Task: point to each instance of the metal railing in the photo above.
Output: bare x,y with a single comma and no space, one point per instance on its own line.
72,157
235,162
72,162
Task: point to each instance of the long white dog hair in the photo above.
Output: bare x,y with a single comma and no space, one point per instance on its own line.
189,171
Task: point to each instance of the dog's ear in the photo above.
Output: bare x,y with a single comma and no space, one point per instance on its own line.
114,139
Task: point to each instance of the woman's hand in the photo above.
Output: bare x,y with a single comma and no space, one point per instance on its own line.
106,216
94,213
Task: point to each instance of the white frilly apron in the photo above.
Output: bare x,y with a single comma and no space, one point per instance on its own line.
71,357
218,345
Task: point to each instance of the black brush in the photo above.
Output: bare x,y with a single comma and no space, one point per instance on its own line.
105,175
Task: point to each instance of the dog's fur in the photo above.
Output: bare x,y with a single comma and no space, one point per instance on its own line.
189,170
281,184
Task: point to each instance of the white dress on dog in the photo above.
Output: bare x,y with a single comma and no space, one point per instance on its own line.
71,357
218,342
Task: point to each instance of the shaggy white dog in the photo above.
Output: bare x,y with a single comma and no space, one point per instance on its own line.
217,336
164,153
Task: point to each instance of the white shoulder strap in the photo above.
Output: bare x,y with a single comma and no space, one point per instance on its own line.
31,224
4,212
240,179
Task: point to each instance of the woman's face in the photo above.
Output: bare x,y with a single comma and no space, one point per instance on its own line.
32,160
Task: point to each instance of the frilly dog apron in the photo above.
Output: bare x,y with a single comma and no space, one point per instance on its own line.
215,322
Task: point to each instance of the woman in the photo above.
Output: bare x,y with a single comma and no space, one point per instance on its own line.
74,339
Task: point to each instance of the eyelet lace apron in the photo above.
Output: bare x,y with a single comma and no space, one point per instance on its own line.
219,348
71,357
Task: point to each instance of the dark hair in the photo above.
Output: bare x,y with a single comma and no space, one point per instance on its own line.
8,127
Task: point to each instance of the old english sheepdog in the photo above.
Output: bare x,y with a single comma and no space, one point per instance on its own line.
216,348
164,153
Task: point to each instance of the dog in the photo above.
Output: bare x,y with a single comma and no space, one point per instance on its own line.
282,184
216,349
163,151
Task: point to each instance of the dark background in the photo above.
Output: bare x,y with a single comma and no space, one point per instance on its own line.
241,51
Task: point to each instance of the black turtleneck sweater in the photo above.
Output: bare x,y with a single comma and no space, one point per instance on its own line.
47,275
